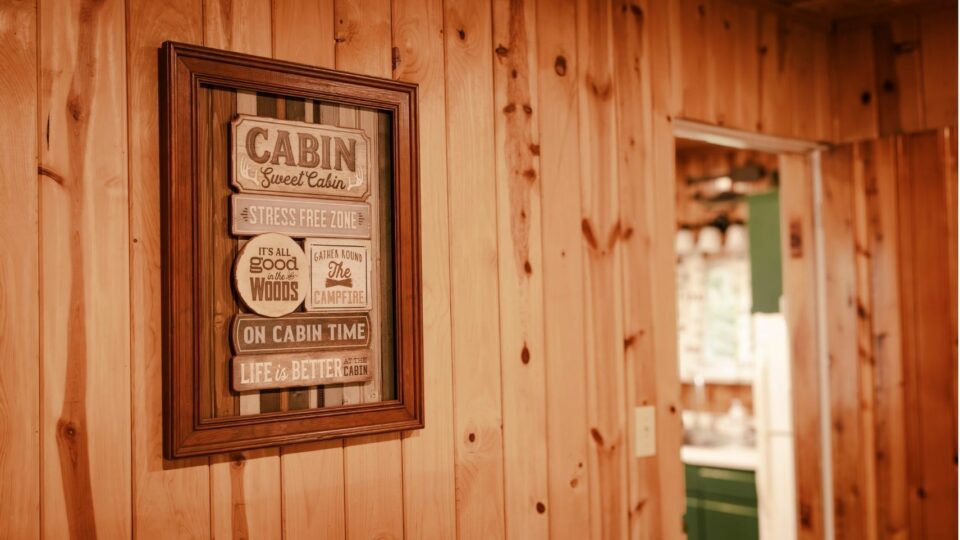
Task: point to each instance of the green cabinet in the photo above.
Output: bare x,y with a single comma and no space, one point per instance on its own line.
721,504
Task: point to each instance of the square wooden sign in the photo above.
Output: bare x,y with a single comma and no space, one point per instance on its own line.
291,253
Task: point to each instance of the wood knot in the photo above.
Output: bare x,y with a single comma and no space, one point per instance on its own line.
68,430
472,437
763,49
726,24
501,50
530,174
888,86
636,10
527,108
513,73
588,233
525,354
541,508
509,108
701,10
597,437
461,33
535,149
574,482
527,268
560,65
866,97
922,493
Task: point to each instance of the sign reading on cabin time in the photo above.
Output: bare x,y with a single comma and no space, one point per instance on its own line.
339,274
259,372
287,157
300,332
271,274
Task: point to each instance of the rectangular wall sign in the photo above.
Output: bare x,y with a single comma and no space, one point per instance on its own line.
300,332
339,274
261,372
287,157
257,214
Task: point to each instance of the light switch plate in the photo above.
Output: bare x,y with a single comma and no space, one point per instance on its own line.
645,431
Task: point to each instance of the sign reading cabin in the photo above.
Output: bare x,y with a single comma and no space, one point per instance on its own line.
297,158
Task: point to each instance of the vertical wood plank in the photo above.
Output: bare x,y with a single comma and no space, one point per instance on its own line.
372,465
473,270
631,69
800,312
428,462
244,487
694,60
602,231
663,218
732,64
303,31
563,283
884,288
899,75
928,350
85,274
841,336
19,273
161,489
939,56
853,84
520,258
864,170
309,472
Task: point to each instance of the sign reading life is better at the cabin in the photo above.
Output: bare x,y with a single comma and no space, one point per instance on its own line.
297,158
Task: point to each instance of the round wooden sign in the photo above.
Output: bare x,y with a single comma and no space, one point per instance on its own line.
271,274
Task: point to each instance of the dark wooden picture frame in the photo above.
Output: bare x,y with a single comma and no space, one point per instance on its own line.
183,70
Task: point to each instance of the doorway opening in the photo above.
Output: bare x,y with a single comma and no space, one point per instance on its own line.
749,358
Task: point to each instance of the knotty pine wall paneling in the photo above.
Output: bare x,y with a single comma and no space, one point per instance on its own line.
547,174
894,74
520,242
891,335
84,278
474,266
20,459
569,510
429,495
601,230
372,476
244,487
161,488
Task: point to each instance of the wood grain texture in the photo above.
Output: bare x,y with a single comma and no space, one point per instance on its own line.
161,488
939,56
865,168
631,69
841,336
929,353
800,312
428,455
245,487
372,465
665,104
20,459
84,248
880,191
569,511
303,31
853,84
474,290
601,232
310,472
522,359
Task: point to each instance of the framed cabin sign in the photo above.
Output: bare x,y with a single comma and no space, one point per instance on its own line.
291,253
